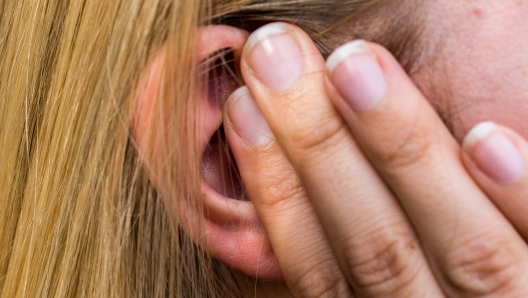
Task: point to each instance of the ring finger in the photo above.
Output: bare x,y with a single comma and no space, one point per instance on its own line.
476,252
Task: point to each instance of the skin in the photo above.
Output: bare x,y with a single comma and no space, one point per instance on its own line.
480,68
346,213
424,220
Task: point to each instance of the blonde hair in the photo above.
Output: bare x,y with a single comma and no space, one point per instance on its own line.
78,214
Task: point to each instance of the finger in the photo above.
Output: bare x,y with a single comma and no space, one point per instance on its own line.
304,254
473,247
496,158
371,237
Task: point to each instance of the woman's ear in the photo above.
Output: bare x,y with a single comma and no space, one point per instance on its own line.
234,233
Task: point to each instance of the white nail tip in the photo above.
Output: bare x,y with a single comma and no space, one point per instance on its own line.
240,92
479,132
351,48
265,31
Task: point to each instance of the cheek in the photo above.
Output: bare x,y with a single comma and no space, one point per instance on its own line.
468,97
482,71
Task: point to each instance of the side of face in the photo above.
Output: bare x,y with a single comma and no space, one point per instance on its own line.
478,73
479,69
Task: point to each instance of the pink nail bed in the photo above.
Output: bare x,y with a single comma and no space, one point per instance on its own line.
494,153
357,75
276,58
248,119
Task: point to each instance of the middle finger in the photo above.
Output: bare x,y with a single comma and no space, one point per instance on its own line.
371,237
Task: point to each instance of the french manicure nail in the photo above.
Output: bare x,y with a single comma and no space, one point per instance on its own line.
357,75
248,119
275,57
494,153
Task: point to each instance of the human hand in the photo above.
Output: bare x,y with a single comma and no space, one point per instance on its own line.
362,189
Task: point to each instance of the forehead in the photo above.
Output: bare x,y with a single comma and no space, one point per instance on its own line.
480,66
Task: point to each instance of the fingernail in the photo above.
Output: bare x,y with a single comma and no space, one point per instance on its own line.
494,153
275,57
357,75
248,119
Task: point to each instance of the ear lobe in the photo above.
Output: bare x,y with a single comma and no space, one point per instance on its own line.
234,233
236,237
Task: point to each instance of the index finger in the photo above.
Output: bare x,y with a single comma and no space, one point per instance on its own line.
307,262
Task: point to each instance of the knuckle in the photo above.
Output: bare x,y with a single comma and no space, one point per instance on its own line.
318,282
312,127
411,147
272,181
482,266
387,264
316,136
278,190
